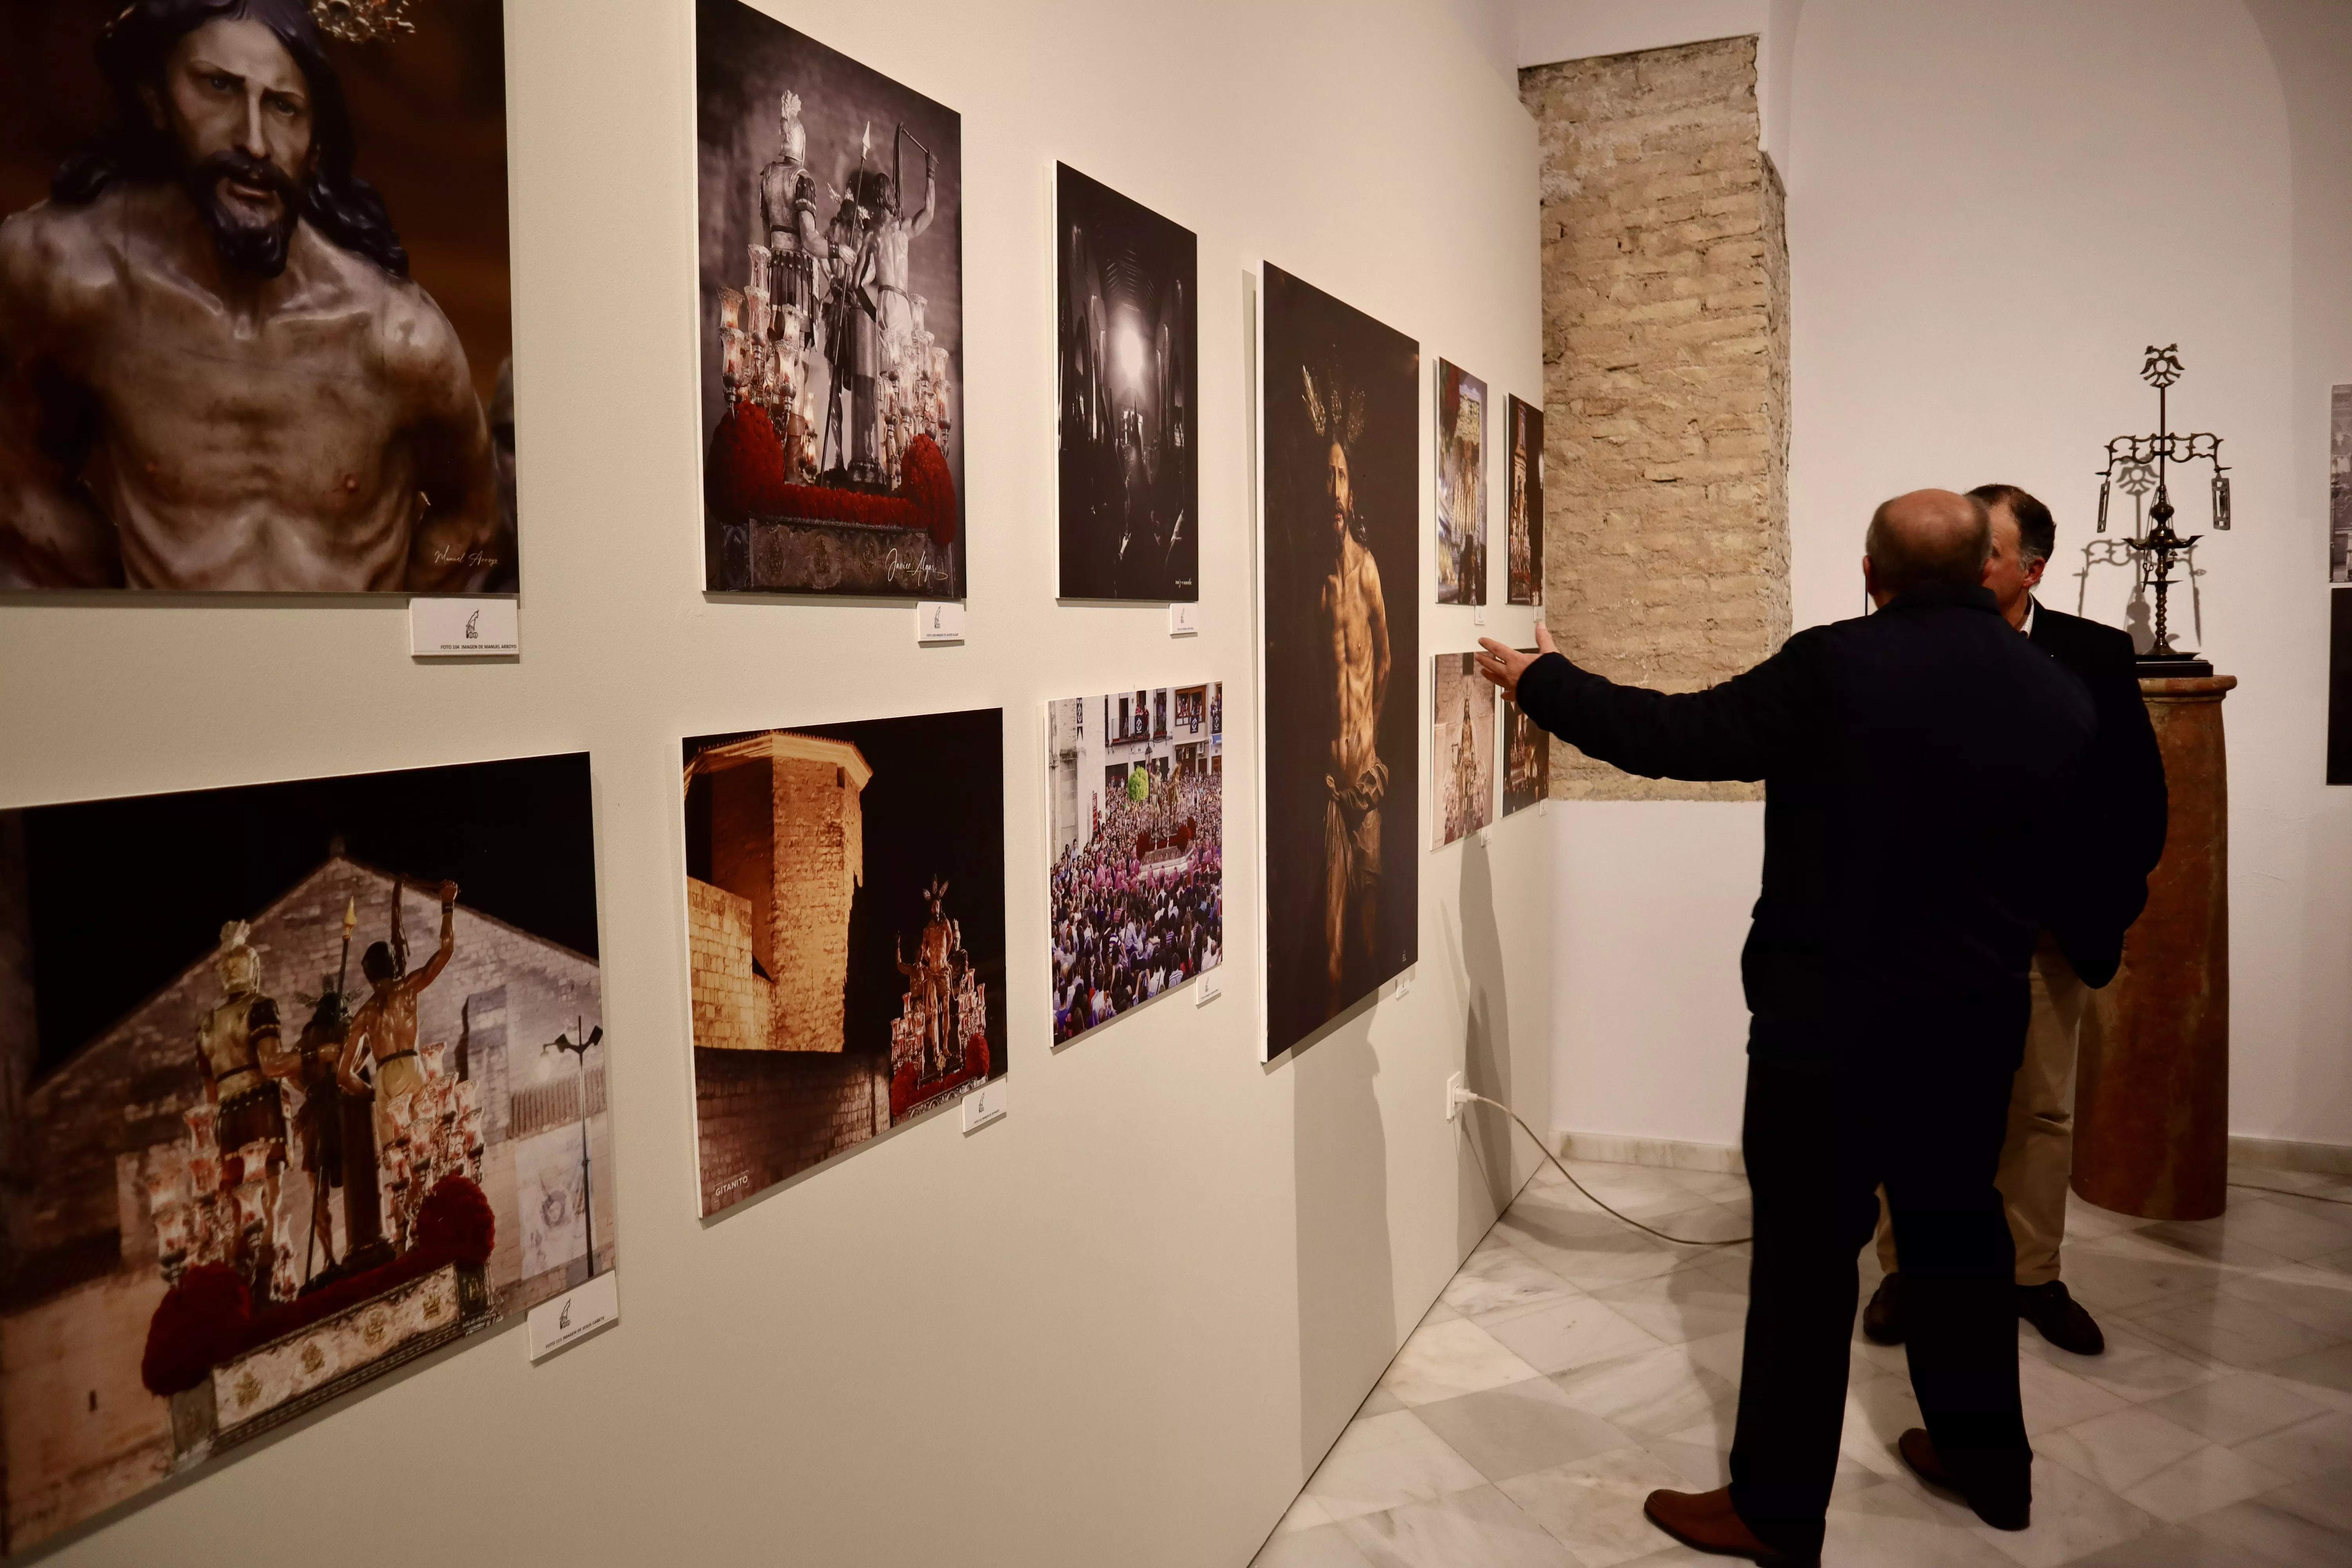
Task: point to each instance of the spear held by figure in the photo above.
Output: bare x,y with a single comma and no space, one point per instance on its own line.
328,1022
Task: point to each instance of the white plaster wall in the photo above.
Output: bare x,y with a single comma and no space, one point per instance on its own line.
1992,209
1122,1325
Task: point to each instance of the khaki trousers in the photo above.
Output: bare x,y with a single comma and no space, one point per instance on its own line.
2037,1154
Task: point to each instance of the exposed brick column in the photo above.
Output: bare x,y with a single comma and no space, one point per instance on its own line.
1666,297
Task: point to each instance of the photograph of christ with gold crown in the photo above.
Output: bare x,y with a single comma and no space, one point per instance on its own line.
254,298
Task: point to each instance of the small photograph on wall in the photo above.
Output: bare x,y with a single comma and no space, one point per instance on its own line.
832,322
1461,750
1526,565
844,896
2340,485
1461,486
1135,785
298,1082
1128,283
1526,758
1342,655
164,426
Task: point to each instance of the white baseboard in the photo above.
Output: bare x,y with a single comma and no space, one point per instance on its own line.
2285,1154
1675,1154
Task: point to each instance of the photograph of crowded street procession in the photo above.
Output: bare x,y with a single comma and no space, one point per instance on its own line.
1136,786
832,318
1460,749
845,902
176,288
1524,565
1131,498
297,1081
1461,421
1342,615
1526,758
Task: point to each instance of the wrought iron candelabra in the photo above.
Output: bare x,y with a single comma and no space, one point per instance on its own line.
2136,462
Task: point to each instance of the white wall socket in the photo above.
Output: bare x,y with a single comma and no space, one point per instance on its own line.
1453,1088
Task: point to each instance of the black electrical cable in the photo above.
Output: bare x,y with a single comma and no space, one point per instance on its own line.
1629,1219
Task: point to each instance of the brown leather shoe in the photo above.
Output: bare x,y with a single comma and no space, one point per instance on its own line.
1707,1522
1918,1451
2060,1317
1882,1321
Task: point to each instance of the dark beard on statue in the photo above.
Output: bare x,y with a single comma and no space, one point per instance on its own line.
244,245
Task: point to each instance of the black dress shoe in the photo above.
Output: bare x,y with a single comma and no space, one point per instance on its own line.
1918,1451
2060,1318
1882,1321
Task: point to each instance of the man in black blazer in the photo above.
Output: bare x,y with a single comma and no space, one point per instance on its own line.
1916,762
2083,944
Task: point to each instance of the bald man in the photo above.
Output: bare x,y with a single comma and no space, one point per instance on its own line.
1913,761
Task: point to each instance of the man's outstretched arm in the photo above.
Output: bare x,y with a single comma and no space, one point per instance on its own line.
1741,729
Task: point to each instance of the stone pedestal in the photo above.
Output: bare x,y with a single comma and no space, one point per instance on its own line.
2152,1089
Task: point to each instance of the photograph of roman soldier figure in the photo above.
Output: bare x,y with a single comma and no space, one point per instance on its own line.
1526,547
1135,785
298,1082
1526,758
1342,655
1129,497
254,297
831,237
1461,422
845,902
1461,750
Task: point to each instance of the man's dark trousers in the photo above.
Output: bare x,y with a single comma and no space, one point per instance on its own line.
1817,1148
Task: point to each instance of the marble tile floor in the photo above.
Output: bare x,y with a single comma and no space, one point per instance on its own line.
1574,1364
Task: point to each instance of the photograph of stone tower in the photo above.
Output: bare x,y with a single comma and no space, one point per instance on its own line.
282,1105
845,889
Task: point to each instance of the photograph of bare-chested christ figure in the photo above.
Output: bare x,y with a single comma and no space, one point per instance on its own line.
1342,655
223,364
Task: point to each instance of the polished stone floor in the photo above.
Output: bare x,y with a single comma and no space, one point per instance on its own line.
1573,1365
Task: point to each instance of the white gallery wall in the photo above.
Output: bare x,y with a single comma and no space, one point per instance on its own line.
1125,1322
1993,208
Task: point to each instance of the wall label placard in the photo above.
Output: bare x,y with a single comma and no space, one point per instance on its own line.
940,621
983,1105
560,1320
462,629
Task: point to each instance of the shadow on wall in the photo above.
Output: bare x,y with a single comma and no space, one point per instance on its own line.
1346,1328
1484,1144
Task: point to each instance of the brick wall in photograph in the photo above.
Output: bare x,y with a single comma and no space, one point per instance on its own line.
819,857
765,1115
729,1002
1666,309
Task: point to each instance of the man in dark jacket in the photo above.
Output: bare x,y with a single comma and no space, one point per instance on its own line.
2105,889
1914,763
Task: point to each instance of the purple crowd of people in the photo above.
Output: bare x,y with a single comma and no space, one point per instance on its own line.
1125,927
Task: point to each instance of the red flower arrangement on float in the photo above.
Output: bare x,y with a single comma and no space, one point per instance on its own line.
208,1317
743,477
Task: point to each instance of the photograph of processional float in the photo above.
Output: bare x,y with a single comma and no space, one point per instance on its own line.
1135,783
832,311
333,1095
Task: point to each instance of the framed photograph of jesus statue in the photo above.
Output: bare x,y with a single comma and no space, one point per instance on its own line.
255,327
1342,656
